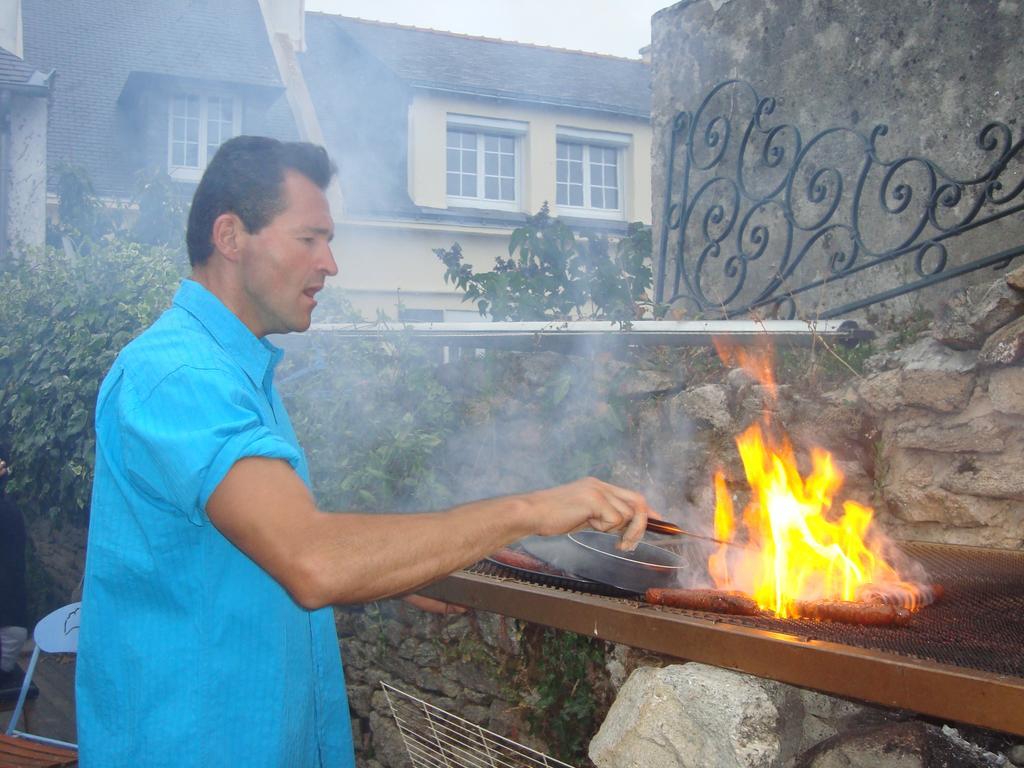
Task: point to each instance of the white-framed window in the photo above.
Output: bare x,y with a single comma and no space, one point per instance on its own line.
589,174
483,162
197,125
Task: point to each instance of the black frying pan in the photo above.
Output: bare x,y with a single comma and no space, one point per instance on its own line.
593,555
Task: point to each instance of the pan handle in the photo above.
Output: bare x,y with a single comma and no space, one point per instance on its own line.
663,526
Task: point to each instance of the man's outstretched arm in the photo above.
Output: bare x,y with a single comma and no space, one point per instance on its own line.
326,558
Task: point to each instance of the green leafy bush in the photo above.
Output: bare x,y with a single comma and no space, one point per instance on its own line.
566,671
156,214
65,317
372,417
553,274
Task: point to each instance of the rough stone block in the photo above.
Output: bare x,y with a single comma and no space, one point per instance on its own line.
943,391
708,403
1016,752
388,745
692,715
499,631
936,388
920,508
882,391
997,305
981,435
825,716
1006,389
359,699
967,318
952,325
758,400
651,419
478,677
539,368
426,654
997,477
928,355
1015,279
899,745
841,429
508,720
738,379
407,648
645,383
475,714
1005,346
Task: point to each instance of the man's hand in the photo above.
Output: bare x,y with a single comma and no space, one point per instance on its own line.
592,503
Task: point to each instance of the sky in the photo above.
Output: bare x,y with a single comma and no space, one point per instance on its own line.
617,27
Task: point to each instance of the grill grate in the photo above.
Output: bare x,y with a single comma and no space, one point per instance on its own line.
435,738
979,623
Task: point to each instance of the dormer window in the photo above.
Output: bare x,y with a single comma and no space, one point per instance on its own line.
588,173
198,124
483,162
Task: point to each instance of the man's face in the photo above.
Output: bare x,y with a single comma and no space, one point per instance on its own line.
286,263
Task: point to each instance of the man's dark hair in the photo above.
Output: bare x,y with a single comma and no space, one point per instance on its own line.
245,177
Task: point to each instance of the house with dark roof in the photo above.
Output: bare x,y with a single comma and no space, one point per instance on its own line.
440,137
155,86
24,93
444,138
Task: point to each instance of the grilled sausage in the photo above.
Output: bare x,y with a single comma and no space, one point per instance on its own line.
909,596
525,562
868,614
712,600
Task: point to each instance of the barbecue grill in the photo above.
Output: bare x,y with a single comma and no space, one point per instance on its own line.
961,659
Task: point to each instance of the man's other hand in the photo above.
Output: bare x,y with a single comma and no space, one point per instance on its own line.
430,605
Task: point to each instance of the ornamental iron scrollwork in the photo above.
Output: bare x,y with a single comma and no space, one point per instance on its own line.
756,220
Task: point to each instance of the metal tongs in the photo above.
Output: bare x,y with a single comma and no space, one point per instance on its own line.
671,529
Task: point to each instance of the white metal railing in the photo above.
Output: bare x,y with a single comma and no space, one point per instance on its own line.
576,334
435,738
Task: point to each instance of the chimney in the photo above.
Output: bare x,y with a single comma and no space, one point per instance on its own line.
286,27
10,27
284,17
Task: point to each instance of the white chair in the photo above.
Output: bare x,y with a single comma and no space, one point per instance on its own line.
55,633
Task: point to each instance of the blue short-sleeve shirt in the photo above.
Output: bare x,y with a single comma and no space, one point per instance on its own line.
190,654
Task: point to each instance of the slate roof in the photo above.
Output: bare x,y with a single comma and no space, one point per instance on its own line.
362,74
94,45
15,72
362,107
440,60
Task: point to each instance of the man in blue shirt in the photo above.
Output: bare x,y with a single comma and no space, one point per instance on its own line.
207,637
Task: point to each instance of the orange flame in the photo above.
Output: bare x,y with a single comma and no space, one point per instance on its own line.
797,546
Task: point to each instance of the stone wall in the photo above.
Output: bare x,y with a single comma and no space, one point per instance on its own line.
480,666
949,414
694,716
934,72
453,663
928,433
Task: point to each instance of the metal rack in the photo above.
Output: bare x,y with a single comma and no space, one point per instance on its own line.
960,659
435,738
